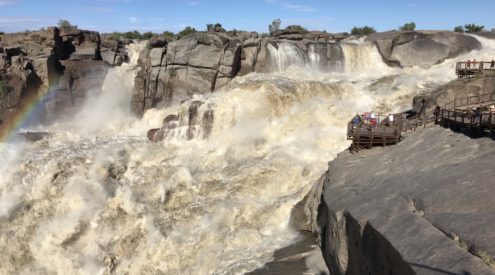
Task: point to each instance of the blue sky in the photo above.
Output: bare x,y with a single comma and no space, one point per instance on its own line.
174,15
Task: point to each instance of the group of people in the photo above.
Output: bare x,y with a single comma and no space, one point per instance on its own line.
370,119
474,63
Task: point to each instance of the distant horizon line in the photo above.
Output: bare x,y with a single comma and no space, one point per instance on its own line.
145,30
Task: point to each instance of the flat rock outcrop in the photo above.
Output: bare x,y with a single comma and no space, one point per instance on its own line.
424,206
422,48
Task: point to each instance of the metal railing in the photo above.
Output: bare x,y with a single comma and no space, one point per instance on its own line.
471,68
483,99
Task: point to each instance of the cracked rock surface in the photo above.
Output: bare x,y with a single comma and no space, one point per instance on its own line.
426,205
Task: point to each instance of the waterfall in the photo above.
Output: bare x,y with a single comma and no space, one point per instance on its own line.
214,196
363,58
107,109
284,55
325,57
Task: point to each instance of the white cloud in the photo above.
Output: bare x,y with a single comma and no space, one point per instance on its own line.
192,3
301,8
133,19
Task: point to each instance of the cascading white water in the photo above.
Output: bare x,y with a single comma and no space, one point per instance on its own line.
286,54
325,57
98,198
363,58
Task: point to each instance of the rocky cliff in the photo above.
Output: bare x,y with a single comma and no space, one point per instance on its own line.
65,64
205,62
72,62
423,206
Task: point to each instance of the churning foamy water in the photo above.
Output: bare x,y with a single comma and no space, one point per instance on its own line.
98,198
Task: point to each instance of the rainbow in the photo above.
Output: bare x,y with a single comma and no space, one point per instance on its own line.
25,111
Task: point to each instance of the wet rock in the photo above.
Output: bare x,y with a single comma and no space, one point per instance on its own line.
32,136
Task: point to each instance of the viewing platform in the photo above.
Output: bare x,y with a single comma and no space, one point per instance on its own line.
473,113
367,133
473,68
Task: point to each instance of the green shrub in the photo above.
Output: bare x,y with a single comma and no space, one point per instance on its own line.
298,28
472,28
408,27
459,29
66,25
168,36
186,31
366,30
147,35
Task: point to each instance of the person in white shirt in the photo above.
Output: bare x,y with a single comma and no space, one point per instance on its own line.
390,120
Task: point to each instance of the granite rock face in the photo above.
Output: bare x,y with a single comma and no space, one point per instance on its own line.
421,48
424,206
205,62
455,90
65,64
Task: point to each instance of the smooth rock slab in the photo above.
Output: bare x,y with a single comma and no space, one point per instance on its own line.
431,197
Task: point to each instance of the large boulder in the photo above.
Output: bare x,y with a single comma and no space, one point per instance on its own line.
420,207
422,48
195,64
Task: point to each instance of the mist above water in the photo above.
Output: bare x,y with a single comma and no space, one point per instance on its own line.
98,197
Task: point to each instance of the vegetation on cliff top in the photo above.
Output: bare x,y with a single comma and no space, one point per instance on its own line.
469,28
65,25
408,27
366,30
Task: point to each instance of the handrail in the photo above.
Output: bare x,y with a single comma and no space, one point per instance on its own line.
470,68
467,101
481,121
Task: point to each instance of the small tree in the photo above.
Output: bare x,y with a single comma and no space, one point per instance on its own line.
169,36
408,27
186,31
472,28
147,35
210,27
274,26
366,30
66,25
459,29
132,35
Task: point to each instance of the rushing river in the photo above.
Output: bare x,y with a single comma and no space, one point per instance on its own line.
97,197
